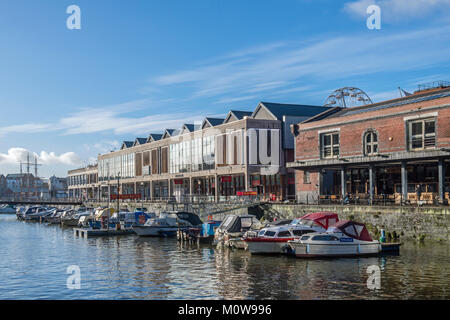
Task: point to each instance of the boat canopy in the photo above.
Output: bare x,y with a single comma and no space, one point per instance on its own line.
353,229
104,213
234,223
324,219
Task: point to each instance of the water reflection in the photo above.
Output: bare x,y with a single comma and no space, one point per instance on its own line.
34,259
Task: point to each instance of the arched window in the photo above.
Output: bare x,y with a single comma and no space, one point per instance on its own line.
371,143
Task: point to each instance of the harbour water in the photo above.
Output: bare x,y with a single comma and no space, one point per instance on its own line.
34,259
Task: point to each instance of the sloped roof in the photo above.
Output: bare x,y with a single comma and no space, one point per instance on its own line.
278,110
140,141
212,121
415,98
154,137
215,121
127,144
239,115
168,133
191,127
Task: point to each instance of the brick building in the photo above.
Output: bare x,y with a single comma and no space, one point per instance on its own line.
377,151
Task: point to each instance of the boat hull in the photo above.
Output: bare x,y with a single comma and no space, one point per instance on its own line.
308,250
69,223
150,231
267,246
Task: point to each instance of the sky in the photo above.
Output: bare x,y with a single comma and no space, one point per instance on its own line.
138,67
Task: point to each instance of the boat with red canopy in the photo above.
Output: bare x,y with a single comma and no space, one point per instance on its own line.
272,240
344,239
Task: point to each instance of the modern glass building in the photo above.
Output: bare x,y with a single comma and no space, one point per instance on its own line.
215,160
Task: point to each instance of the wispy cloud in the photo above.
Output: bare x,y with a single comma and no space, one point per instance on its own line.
117,119
398,10
28,128
237,99
271,70
286,65
17,154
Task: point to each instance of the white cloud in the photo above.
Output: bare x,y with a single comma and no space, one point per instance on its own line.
397,10
16,155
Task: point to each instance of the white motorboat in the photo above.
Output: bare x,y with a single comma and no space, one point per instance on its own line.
273,240
7,209
344,239
31,213
72,217
231,231
167,224
40,214
54,218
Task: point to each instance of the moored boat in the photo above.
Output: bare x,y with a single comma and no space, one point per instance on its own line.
54,218
344,239
273,240
203,234
231,231
7,209
167,224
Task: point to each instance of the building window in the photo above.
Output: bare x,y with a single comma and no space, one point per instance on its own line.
330,145
422,134
371,143
306,178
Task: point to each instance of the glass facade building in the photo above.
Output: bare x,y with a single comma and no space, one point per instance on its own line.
192,155
122,166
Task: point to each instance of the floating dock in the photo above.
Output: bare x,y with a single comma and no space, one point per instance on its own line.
87,233
390,247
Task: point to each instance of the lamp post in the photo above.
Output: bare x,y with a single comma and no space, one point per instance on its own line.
199,182
109,187
118,192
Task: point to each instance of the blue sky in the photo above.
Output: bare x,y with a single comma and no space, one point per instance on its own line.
137,67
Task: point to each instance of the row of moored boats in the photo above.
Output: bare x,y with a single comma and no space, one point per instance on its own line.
320,234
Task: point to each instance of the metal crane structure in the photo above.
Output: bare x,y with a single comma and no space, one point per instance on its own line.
347,97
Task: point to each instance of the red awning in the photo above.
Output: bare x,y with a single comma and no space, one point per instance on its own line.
324,219
354,230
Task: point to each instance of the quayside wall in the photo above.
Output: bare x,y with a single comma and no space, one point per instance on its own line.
401,223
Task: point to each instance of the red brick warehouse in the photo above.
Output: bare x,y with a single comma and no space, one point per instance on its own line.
377,152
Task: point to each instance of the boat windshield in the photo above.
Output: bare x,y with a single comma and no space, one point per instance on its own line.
305,222
227,221
284,234
246,222
324,238
269,233
301,232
